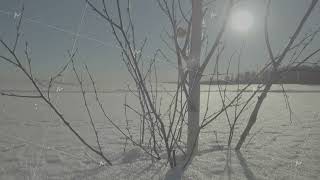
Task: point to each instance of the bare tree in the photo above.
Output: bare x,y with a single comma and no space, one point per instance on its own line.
162,131
14,60
276,62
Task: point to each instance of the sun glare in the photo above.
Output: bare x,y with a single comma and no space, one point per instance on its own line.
241,21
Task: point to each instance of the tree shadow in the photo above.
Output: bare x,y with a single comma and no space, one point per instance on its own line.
228,167
178,172
175,173
243,162
155,168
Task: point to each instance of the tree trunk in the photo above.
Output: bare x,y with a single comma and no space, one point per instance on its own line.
253,116
194,78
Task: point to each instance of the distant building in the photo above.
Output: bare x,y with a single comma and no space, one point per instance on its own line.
288,75
300,75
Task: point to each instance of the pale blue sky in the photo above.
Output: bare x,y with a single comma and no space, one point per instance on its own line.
50,26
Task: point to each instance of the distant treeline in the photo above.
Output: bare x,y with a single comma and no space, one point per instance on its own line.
288,75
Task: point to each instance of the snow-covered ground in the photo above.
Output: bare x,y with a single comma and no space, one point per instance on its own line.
34,144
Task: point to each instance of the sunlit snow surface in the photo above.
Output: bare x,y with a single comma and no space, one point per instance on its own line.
34,144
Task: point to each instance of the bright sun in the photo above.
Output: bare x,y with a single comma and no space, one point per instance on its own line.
241,20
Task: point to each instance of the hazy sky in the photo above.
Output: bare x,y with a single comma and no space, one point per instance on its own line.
50,27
